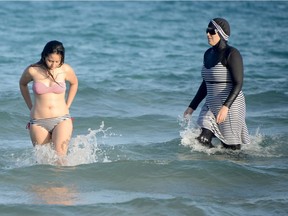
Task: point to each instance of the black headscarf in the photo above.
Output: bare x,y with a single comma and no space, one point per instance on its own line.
222,27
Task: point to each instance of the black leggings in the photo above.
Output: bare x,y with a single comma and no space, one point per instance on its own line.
205,139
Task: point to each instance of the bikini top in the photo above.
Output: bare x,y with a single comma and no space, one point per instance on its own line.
57,88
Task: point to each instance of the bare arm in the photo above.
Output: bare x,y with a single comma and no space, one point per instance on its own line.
73,80
23,84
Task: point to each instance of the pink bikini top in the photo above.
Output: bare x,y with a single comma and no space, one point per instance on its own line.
40,88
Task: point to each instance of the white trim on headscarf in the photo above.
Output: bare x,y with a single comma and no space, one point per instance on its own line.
220,30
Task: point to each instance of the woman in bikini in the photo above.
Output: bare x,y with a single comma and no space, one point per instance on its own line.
50,119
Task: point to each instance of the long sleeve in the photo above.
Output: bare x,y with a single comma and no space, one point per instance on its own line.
200,95
235,66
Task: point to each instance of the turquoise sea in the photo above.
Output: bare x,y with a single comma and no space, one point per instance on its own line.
132,153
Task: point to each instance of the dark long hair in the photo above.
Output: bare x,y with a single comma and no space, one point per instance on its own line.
51,48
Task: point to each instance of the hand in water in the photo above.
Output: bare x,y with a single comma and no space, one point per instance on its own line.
188,112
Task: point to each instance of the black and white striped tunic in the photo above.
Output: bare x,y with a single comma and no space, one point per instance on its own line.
219,84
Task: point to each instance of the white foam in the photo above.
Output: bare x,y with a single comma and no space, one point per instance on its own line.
257,148
83,149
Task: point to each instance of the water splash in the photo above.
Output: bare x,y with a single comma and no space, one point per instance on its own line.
83,149
261,145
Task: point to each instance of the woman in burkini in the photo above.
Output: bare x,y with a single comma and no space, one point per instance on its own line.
223,114
49,113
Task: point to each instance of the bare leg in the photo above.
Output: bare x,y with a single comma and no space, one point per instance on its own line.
61,136
39,135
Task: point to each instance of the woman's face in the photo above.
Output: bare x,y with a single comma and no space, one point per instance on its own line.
53,61
212,36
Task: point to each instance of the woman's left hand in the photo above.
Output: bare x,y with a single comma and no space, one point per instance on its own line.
222,114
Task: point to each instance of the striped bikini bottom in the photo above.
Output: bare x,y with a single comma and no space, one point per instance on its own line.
49,123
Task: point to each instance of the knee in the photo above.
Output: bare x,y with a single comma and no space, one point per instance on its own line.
61,147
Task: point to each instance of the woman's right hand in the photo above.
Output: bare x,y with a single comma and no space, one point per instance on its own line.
188,112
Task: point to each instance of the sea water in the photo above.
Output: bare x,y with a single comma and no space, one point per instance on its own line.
132,152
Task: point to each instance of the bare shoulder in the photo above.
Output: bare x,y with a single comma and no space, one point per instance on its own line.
30,71
69,72
67,68
27,75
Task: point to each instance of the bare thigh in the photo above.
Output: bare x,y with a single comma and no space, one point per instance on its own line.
61,136
39,135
